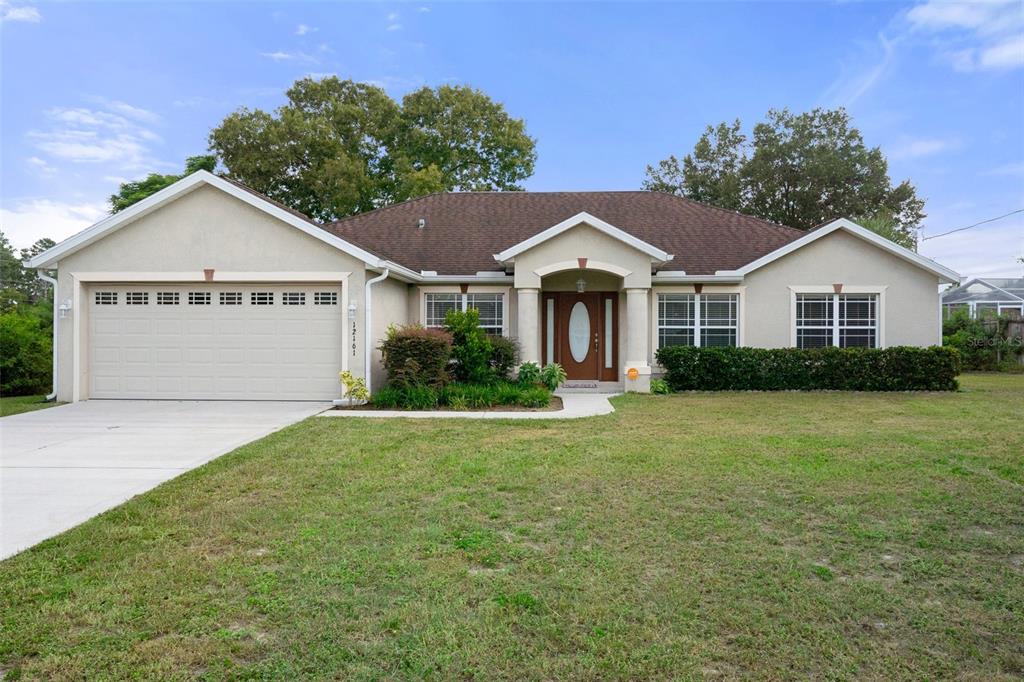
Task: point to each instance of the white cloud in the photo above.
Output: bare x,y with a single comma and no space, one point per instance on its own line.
972,36
916,148
856,81
393,16
282,56
394,27
1008,54
303,29
40,166
33,219
84,135
25,13
424,9
1016,168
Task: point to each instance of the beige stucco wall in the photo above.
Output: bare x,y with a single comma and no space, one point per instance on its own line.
583,241
390,306
205,228
911,298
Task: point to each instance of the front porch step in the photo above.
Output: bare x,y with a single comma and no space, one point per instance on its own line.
577,386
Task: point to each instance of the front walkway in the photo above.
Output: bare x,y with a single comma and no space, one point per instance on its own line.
574,406
64,465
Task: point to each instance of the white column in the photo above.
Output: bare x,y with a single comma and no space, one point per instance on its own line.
637,332
528,320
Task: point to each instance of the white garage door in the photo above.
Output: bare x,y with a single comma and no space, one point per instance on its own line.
215,341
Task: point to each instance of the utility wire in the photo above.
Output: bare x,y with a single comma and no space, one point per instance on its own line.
961,229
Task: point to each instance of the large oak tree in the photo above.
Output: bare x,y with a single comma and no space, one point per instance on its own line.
796,169
338,147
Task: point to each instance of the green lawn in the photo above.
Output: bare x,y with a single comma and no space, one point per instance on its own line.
23,403
824,535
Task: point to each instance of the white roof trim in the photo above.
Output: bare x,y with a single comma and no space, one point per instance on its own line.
944,273
172,192
595,222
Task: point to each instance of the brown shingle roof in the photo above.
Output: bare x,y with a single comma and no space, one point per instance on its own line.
465,229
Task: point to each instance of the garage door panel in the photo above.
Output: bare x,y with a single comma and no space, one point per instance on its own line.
217,350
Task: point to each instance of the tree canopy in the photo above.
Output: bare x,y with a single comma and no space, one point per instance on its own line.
795,169
339,147
133,192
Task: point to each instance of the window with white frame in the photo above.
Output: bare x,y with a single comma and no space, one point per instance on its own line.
698,320
490,306
843,320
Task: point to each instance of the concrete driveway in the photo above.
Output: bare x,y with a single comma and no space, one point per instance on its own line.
63,465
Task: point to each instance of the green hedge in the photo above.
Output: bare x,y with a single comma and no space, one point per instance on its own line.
901,368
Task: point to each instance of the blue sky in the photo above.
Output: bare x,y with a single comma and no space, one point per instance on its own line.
94,93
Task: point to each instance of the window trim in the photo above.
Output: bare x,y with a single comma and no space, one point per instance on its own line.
698,311
853,290
500,291
741,310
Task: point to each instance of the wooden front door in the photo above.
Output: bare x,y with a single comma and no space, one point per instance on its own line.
580,332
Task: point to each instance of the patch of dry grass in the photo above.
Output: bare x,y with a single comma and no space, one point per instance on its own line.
698,535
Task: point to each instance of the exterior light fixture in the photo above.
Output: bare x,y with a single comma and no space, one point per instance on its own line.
65,308
581,285
352,309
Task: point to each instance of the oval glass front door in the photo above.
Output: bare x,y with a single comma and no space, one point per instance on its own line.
579,331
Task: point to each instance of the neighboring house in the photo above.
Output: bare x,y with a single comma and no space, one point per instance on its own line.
208,290
984,297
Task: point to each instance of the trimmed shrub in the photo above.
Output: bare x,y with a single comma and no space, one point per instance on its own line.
504,356
416,356
901,368
471,350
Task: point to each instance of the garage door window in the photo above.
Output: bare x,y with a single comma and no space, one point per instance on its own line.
231,298
136,298
325,298
106,298
293,298
262,298
199,298
167,298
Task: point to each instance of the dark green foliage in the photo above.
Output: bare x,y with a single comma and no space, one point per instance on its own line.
552,376
529,373
660,387
416,356
462,396
471,350
26,353
137,190
338,147
795,169
409,397
901,368
983,344
504,356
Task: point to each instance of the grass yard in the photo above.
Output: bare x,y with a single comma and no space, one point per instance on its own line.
23,403
825,535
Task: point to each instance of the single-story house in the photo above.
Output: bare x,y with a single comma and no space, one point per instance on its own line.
208,290
984,297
